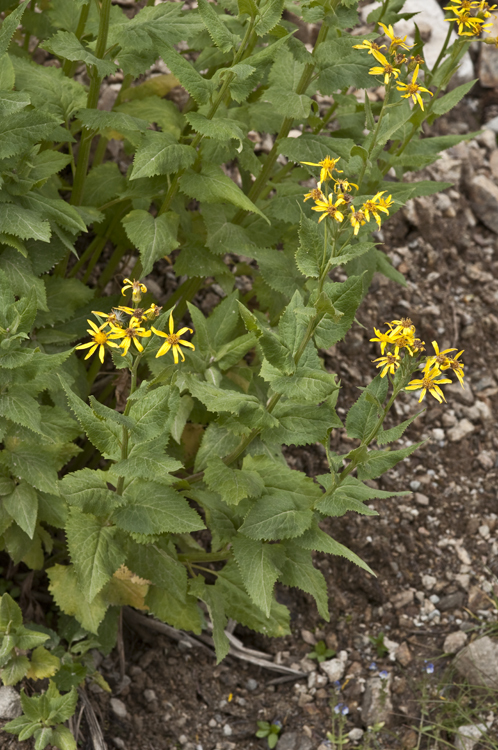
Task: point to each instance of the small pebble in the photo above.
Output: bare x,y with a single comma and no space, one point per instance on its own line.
415,485
118,708
227,730
212,723
252,684
355,734
150,695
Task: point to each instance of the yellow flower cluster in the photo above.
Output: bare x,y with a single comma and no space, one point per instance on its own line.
389,66
470,16
336,202
401,337
115,327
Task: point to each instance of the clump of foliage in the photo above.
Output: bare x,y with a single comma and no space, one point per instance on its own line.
170,493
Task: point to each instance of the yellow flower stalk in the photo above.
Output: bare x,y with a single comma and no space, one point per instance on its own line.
327,207
385,69
133,332
396,41
327,167
372,47
429,382
413,89
439,359
389,363
173,340
383,339
100,339
315,195
357,219
137,289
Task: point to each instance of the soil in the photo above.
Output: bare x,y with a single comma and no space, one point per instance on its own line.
176,696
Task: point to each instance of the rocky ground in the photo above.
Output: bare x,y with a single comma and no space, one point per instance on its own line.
434,551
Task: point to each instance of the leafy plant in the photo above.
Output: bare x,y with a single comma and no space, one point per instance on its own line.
168,490
378,642
270,731
321,652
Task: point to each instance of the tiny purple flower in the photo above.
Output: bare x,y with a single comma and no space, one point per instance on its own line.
372,666
384,674
429,668
337,709
345,711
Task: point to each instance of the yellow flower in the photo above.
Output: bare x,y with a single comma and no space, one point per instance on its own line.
466,21
357,219
396,41
129,334
315,194
383,203
153,311
375,205
439,359
370,46
385,69
413,89
418,346
99,339
344,186
403,327
173,340
456,367
137,313
327,207
327,167
403,341
429,383
112,318
465,5
486,9
383,338
389,363
137,289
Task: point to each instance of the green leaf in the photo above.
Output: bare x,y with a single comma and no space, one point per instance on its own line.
64,297
219,128
310,253
232,484
284,78
216,399
316,539
268,16
22,505
17,405
15,669
276,516
315,148
65,588
22,726
35,465
65,44
55,209
351,494
108,122
389,436
159,153
444,103
154,237
9,26
145,467
10,614
216,28
301,424
154,509
23,222
43,664
216,441
257,569
153,109
378,462
231,353
93,550
213,598
298,571
87,490
12,101
345,297
364,414
185,615
240,607
385,266
198,87
306,384
155,563
62,737
212,185
99,432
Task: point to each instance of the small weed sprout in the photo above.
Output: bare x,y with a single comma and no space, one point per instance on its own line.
321,652
271,731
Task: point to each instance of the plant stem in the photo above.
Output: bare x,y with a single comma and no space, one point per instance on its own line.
442,53
126,434
375,133
111,266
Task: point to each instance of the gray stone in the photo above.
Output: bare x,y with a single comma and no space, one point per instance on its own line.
252,684
377,705
469,735
294,741
403,599
462,428
119,743
487,138
10,703
403,654
454,642
355,734
118,708
227,730
421,499
483,194
478,662
150,695
486,459
335,668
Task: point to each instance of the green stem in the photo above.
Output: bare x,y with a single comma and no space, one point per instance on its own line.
441,54
100,151
93,370
126,434
86,255
204,557
92,101
375,133
111,266
101,245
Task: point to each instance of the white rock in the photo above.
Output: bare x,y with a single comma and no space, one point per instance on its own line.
377,705
10,703
428,582
355,734
438,434
463,555
462,428
335,668
118,708
454,642
469,735
487,138
227,730
478,662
